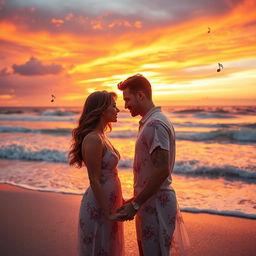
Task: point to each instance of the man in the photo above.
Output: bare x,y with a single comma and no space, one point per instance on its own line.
154,202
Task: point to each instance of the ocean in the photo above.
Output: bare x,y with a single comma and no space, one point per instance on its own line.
215,169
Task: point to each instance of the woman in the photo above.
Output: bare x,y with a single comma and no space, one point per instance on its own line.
99,233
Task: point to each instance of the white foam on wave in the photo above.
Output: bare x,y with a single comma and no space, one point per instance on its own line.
191,167
21,152
224,213
57,112
241,135
43,189
36,118
200,125
194,168
211,115
18,129
246,135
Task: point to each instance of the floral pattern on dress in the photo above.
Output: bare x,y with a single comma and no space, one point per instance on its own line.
163,199
102,252
167,239
171,219
148,232
112,198
81,223
94,213
149,209
87,239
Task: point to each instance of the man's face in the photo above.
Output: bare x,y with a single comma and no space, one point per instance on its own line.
131,102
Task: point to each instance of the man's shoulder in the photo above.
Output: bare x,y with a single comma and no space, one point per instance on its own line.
159,118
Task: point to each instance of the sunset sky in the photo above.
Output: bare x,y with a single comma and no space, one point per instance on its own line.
72,48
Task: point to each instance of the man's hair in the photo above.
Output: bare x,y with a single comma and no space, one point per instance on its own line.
136,83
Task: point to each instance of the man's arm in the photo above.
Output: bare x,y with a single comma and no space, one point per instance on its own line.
160,159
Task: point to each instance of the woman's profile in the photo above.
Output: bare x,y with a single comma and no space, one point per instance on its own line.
99,232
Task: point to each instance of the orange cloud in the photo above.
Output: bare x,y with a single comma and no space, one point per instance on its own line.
57,22
5,96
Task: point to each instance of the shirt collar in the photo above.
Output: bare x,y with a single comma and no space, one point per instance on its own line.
150,113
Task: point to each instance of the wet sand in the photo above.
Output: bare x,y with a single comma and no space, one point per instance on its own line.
45,224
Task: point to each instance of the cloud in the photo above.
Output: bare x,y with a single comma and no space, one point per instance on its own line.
98,16
34,67
5,72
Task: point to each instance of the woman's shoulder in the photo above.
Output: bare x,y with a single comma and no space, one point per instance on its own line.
93,138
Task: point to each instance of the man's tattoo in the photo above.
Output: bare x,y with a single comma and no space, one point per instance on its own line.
160,157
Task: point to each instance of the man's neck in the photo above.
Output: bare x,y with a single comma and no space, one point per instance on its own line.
146,108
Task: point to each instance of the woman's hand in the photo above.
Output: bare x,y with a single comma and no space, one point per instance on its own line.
117,216
127,212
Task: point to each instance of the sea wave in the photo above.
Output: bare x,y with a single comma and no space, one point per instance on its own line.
195,168
36,118
58,112
217,125
186,168
122,134
203,125
18,129
214,115
11,112
224,213
247,135
243,110
231,135
21,152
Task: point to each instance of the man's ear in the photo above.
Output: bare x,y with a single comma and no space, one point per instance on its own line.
141,95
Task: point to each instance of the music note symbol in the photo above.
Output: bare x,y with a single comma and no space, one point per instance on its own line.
220,67
53,98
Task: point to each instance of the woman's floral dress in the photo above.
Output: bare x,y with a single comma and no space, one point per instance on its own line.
97,235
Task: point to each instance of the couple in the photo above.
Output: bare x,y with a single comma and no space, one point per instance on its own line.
103,209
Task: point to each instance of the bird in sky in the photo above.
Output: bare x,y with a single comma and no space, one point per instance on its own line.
209,30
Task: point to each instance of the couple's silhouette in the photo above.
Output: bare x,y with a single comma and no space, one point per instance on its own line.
154,204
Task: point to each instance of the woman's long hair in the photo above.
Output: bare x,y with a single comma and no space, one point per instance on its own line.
95,104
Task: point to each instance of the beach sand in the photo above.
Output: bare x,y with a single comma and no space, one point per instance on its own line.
45,224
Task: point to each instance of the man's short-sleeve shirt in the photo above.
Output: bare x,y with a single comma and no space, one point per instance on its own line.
155,131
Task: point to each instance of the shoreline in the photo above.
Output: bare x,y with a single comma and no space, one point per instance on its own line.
45,224
234,214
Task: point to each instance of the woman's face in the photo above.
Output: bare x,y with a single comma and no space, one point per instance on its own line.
110,114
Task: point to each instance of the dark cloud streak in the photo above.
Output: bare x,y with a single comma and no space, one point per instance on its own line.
34,67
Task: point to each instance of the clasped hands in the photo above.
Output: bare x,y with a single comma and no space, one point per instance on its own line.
124,213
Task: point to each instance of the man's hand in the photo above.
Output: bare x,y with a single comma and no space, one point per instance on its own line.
127,212
117,216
